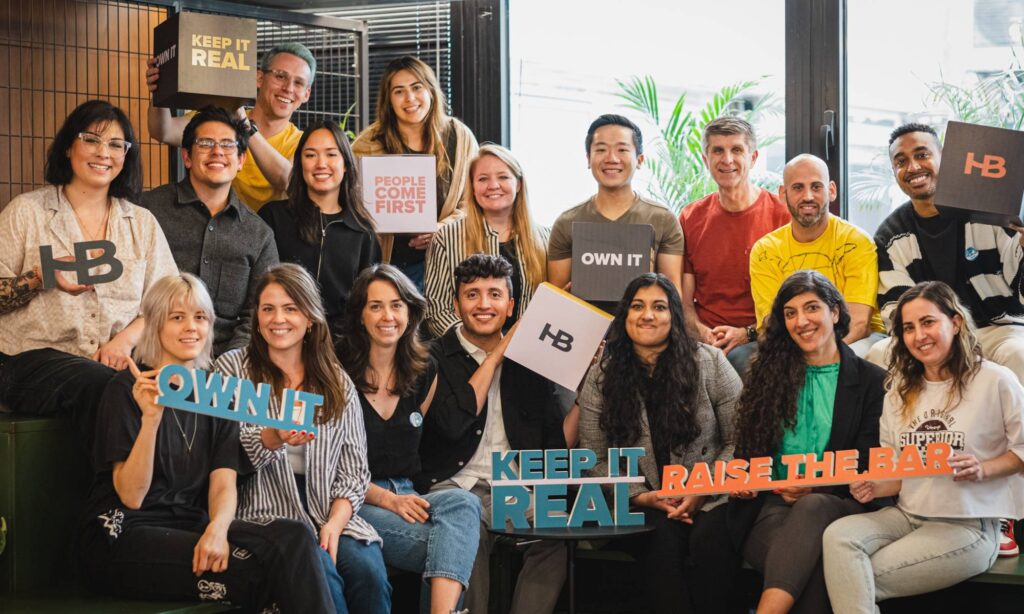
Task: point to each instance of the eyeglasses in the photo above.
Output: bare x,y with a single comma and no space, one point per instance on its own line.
118,147
282,76
209,144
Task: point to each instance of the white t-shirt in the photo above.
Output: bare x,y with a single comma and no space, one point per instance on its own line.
987,422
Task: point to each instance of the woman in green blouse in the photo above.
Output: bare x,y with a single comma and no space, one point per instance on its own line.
807,392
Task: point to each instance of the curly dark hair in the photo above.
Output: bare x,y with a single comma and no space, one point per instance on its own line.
629,385
353,344
767,405
482,266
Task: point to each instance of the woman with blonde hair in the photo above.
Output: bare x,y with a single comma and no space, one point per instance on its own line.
412,119
161,520
497,222
319,481
944,529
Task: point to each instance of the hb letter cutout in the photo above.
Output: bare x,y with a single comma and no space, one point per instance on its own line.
81,264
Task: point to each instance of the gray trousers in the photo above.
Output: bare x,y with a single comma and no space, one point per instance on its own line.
541,579
890,553
785,545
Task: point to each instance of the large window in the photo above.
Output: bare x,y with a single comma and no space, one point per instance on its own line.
566,58
933,65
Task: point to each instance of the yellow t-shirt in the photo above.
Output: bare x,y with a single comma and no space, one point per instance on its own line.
251,186
843,253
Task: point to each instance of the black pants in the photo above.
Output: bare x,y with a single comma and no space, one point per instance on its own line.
665,574
276,563
49,382
785,545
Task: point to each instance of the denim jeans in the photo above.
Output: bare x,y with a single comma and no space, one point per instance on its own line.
444,546
890,553
359,580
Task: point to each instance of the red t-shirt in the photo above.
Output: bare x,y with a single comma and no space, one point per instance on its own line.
718,246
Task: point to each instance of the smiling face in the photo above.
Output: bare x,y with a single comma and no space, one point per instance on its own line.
811,324
915,158
217,167
807,192
494,185
649,319
385,315
729,158
484,304
281,323
284,86
612,157
410,98
323,166
183,334
96,167
929,334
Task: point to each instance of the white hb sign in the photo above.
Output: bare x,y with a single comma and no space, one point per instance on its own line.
558,336
400,193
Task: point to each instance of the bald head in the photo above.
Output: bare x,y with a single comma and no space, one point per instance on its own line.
806,162
807,191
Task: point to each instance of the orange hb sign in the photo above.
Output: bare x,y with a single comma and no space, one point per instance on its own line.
992,167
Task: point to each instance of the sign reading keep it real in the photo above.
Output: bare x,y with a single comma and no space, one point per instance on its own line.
205,59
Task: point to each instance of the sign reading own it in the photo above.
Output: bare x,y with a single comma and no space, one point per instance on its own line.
606,257
558,336
205,59
400,192
981,173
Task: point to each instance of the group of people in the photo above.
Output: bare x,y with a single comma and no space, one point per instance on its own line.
760,331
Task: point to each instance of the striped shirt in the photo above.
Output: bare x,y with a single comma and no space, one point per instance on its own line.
988,259
447,250
336,466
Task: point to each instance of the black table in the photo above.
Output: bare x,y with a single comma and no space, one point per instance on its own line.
571,537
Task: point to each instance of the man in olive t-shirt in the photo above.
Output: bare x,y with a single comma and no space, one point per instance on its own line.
614,153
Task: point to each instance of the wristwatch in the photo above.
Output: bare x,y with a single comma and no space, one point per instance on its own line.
252,127
751,333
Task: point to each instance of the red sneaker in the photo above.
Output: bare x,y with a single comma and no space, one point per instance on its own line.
1007,544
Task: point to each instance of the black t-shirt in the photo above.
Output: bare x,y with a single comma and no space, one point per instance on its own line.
178,492
507,251
401,253
392,446
937,237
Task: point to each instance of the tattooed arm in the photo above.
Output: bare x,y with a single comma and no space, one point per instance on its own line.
16,292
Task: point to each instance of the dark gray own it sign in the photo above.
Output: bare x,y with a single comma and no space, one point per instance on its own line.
606,257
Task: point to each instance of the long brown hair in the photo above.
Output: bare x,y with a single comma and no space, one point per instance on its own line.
411,358
906,373
304,210
523,230
434,124
323,373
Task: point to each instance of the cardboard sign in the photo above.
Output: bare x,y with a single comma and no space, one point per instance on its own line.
400,192
981,173
82,263
833,469
606,257
549,472
558,336
235,398
205,59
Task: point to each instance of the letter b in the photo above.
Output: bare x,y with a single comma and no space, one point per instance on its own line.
561,342
992,167
81,264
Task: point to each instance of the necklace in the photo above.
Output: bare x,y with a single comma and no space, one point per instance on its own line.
101,231
195,427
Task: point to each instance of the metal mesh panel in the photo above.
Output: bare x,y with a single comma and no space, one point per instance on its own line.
422,29
56,54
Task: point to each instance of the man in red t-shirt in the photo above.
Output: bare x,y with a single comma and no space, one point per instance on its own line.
720,230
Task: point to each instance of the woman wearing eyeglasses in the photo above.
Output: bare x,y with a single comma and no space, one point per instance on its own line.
323,225
411,119
60,344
